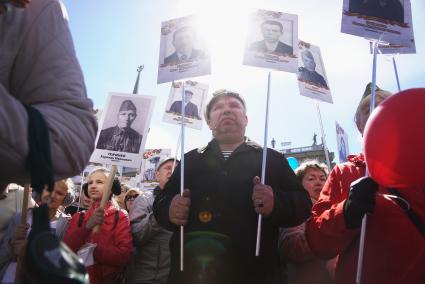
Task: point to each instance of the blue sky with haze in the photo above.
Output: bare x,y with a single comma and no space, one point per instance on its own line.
113,37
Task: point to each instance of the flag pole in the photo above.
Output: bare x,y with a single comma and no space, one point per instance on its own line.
396,74
325,147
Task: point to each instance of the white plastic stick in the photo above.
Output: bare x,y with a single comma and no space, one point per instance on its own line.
364,220
177,152
263,165
182,172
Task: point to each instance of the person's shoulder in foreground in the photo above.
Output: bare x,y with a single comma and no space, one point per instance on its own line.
40,70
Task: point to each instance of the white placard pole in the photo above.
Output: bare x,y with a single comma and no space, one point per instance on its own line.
182,172
177,151
263,165
364,220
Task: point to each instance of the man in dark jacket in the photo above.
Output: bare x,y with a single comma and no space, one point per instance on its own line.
221,200
122,137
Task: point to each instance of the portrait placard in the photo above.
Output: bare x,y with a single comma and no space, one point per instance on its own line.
388,21
183,53
312,80
342,142
195,99
123,129
272,41
151,158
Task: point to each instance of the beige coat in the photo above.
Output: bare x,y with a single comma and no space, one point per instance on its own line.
38,67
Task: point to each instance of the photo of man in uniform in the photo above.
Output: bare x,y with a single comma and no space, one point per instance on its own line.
308,72
122,137
190,109
272,32
384,9
183,42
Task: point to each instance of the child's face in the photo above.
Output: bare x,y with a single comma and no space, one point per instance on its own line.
96,185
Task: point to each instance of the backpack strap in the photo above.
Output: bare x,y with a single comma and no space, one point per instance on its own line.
419,224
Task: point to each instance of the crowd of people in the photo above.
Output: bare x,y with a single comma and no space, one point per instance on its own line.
311,217
135,237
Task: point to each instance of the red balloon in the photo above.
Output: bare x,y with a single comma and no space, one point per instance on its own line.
394,140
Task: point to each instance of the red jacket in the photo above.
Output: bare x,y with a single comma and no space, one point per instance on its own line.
394,247
114,243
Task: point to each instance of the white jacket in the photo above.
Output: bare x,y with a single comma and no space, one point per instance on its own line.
38,67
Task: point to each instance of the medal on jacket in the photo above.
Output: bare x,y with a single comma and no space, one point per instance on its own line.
206,210
205,216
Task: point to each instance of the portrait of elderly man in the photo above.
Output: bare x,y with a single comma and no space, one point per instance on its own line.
190,109
272,32
308,72
184,40
384,9
122,137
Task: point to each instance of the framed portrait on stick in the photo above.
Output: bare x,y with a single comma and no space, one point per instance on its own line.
388,21
123,129
312,80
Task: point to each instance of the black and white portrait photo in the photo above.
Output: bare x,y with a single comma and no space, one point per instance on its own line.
272,41
311,74
272,32
190,109
184,40
195,95
123,128
310,71
122,136
389,21
183,52
392,10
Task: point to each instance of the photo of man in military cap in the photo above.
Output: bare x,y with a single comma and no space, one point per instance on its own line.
122,137
308,72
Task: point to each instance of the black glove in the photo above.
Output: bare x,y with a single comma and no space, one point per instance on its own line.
361,200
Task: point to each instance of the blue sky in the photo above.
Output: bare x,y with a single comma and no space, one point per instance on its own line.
112,38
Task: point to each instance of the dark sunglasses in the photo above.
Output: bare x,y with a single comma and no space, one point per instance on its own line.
131,197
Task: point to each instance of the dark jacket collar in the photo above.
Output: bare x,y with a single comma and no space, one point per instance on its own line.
245,146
